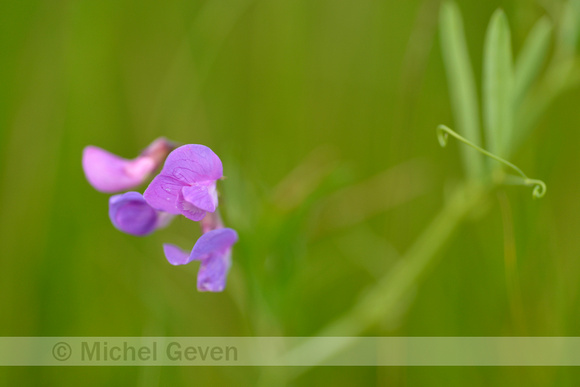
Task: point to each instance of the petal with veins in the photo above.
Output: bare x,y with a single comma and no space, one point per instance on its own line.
201,196
163,193
193,164
189,210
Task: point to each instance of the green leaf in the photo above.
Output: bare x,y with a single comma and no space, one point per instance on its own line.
531,58
461,83
498,80
569,30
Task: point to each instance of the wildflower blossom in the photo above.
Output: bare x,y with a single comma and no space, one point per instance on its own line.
214,250
130,213
187,183
110,173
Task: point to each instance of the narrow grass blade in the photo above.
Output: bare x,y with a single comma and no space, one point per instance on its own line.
531,58
559,75
498,106
569,30
461,83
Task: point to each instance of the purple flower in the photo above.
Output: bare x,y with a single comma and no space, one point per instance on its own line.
130,213
214,250
187,183
110,173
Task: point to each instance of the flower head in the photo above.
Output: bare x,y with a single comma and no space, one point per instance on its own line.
110,173
130,213
214,250
187,183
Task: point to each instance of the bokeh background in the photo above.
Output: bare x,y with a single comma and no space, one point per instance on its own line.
324,114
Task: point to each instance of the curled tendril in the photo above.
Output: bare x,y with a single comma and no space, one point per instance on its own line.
539,189
443,133
442,136
539,186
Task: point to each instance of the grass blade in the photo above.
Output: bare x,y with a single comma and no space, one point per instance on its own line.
531,58
498,106
569,29
461,82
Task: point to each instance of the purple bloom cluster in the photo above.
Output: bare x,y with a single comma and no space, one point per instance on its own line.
185,186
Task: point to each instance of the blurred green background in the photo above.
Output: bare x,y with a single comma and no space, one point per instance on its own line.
324,114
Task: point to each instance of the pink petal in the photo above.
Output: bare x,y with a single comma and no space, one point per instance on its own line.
201,196
175,255
110,173
192,164
213,272
189,210
214,241
163,193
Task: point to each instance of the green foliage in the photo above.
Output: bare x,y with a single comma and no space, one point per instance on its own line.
461,83
531,59
498,95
